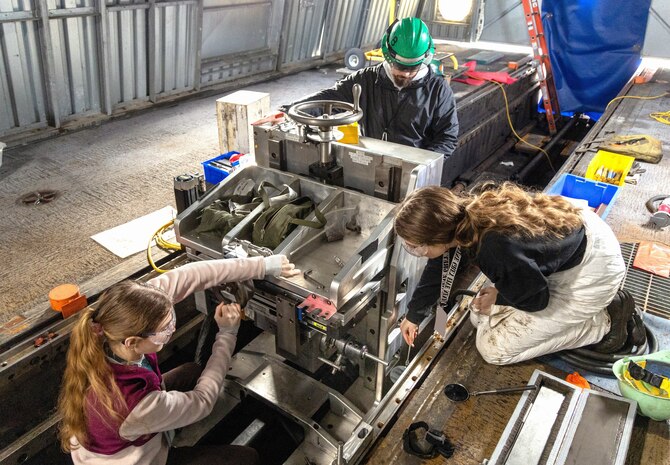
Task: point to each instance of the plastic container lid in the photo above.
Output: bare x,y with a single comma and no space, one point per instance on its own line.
61,295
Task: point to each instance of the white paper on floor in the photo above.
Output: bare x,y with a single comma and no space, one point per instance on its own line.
132,237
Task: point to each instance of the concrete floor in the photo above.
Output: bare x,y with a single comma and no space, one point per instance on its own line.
106,176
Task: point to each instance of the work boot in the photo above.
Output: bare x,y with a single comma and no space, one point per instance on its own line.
620,310
636,331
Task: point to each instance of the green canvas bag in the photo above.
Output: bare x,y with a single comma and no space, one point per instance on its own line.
277,222
224,214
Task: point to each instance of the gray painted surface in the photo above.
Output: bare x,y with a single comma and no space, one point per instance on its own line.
504,22
658,30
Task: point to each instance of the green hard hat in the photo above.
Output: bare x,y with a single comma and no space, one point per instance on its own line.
408,43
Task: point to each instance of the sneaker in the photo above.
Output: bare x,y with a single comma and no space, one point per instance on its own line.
621,310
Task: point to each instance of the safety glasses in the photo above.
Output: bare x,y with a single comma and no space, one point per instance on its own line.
411,70
416,250
164,335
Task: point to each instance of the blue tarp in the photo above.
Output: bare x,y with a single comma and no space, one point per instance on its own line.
594,47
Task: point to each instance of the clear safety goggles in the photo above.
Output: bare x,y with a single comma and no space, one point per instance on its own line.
164,335
416,250
411,70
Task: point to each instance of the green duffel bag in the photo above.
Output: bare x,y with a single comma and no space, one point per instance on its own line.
224,214
277,222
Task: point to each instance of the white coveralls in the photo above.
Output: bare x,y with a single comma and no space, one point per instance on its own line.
576,314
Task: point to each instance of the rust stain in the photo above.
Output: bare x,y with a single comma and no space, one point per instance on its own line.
14,326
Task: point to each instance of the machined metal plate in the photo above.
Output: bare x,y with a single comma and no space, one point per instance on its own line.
562,424
287,389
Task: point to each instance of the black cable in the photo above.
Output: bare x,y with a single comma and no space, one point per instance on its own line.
650,204
602,364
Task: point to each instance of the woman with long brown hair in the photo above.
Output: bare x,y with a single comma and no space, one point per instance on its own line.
554,267
116,405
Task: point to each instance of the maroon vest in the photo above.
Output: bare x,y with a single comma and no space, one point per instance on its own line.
134,382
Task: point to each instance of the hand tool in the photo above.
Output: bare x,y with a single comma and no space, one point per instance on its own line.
458,393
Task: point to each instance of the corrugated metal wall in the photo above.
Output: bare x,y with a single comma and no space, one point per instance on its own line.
63,59
658,30
22,93
126,45
68,58
239,38
377,22
302,31
343,21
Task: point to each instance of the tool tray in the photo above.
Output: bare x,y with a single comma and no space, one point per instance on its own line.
343,256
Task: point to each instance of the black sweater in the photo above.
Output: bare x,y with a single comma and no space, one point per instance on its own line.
518,267
421,115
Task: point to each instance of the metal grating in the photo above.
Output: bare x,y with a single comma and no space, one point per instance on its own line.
650,291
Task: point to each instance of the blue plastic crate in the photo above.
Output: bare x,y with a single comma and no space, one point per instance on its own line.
215,174
595,193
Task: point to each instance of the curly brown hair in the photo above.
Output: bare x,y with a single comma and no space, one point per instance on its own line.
436,215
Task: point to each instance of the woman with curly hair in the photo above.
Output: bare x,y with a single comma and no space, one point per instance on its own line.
554,269
116,405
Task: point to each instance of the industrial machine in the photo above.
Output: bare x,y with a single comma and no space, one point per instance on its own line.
342,313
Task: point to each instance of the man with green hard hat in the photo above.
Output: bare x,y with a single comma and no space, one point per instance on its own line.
403,100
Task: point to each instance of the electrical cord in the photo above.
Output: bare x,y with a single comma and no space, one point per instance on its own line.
162,243
509,121
602,364
639,97
651,203
661,116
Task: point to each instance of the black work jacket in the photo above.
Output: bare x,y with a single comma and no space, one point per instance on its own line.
518,268
422,115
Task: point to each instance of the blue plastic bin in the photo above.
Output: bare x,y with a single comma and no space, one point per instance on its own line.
595,193
214,174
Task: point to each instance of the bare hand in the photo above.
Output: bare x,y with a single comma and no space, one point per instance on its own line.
227,315
485,300
409,331
288,269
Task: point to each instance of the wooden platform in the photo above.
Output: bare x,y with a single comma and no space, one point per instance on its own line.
475,426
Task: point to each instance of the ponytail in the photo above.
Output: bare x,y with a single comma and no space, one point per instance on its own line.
86,369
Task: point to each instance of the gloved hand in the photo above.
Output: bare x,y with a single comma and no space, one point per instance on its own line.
278,265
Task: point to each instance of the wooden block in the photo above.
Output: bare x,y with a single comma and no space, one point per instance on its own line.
234,114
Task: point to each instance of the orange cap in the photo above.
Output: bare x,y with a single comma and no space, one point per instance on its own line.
66,299
59,296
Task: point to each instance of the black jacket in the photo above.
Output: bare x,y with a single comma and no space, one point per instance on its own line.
518,267
421,115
